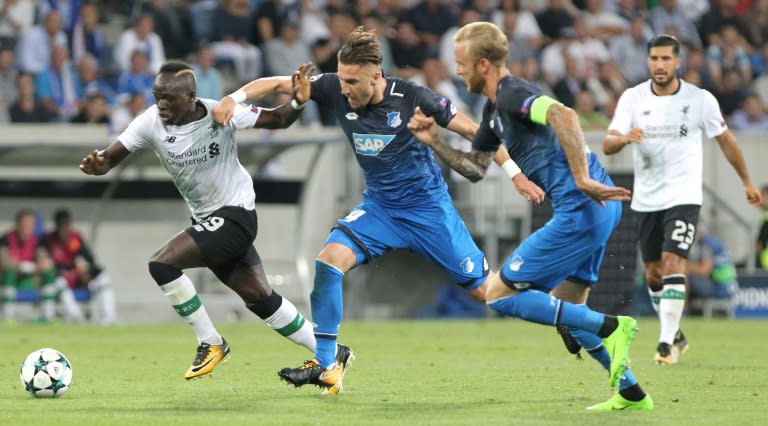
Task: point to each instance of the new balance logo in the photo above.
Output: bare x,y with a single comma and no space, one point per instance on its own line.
169,139
646,112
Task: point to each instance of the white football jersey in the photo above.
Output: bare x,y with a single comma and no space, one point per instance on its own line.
668,161
200,156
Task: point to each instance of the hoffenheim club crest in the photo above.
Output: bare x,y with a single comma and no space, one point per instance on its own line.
393,119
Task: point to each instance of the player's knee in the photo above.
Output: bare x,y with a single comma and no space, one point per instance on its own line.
339,256
163,273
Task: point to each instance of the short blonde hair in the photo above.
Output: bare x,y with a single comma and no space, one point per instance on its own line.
484,40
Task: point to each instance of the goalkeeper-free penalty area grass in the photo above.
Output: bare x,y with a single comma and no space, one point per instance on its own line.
487,372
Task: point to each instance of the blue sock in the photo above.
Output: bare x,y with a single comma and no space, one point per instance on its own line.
538,307
593,344
327,309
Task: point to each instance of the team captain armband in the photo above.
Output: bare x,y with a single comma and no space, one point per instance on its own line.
539,109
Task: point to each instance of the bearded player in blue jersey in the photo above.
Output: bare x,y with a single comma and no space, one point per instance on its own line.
547,278
406,204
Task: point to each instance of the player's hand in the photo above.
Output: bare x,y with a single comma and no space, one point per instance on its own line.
423,127
635,135
599,192
95,164
528,189
302,87
753,194
223,111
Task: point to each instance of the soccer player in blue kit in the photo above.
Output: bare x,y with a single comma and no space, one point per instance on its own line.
547,278
406,204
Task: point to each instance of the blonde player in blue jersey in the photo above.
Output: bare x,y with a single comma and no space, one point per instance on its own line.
406,204
558,263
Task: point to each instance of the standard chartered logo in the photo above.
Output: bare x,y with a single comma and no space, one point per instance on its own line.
369,144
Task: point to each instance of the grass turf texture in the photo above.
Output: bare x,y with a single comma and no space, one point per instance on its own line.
452,372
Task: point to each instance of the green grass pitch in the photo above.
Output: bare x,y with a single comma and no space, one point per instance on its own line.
492,372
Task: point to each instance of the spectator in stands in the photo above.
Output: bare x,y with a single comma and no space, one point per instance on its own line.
77,268
8,91
33,50
87,37
519,47
693,9
553,56
207,77
629,51
58,86
15,17
430,19
408,50
95,111
571,84
286,52
557,15
755,24
731,93
668,15
26,265
137,79
140,37
607,86
230,39
751,117
589,117
90,79
714,22
267,20
447,55
174,24
27,109
761,245
629,10
312,21
710,269
525,27
603,24
727,55
587,50
434,75
127,111
68,9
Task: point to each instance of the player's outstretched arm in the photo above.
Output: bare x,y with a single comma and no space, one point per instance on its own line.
256,89
614,141
101,162
466,127
565,122
472,165
284,115
735,156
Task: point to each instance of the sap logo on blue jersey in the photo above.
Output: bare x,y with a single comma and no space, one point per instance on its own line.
366,144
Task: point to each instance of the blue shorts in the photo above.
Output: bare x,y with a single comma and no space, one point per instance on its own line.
571,245
433,230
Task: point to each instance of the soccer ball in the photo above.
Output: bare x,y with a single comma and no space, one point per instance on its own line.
46,373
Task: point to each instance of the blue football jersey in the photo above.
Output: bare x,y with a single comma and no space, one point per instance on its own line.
535,148
399,170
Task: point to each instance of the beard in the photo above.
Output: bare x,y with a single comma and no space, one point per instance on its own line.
475,85
665,82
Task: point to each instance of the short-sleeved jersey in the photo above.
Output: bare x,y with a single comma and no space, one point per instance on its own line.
200,156
399,170
668,161
534,147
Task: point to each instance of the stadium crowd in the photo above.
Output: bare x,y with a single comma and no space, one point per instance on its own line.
94,61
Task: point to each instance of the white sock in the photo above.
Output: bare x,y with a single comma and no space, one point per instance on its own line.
182,295
655,297
292,325
48,300
103,299
72,311
9,302
671,307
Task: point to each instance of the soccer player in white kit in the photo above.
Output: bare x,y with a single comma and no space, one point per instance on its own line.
201,157
663,119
